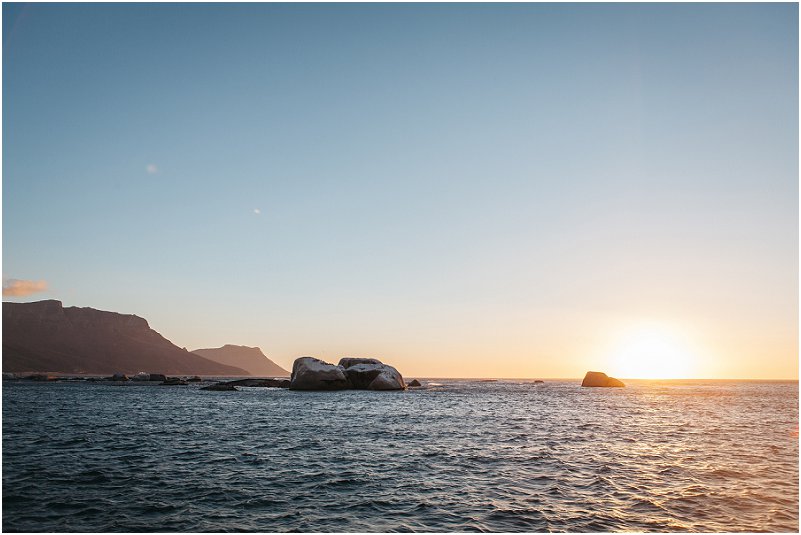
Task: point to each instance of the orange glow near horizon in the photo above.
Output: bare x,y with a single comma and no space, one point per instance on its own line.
653,352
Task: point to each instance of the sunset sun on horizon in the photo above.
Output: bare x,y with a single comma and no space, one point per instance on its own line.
653,352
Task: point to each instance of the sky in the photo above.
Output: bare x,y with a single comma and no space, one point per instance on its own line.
460,190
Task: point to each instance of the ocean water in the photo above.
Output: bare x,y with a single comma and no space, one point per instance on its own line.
453,456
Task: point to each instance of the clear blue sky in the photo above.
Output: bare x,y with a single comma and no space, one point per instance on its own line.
459,189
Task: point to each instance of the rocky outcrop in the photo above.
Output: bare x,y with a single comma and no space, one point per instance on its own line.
119,377
44,336
414,383
309,373
599,379
250,359
158,377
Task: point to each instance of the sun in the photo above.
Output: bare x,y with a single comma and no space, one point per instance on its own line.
653,352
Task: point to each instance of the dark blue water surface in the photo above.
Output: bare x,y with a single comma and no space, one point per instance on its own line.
453,456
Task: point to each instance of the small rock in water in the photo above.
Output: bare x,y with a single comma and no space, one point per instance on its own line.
414,382
158,377
119,377
173,381
600,379
195,379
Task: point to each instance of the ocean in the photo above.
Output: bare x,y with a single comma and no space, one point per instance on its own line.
455,455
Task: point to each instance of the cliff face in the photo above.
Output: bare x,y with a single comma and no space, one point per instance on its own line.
248,358
45,336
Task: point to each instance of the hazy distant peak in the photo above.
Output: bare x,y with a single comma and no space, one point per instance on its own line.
234,346
248,358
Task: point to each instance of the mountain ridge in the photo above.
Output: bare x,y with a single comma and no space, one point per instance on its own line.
48,337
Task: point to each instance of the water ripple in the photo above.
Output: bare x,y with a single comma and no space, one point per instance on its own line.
507,456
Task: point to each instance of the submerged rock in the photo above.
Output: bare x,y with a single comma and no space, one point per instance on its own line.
601,380
309,373
260,383
224,387
414,382
40,377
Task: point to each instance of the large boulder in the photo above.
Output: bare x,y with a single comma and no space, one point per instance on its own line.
309,373
600,379
347,362
372,374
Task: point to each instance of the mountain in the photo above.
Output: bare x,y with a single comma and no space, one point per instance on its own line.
45,336
247,358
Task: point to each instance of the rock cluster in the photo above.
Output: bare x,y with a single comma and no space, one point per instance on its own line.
174,381
142,376
309,373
